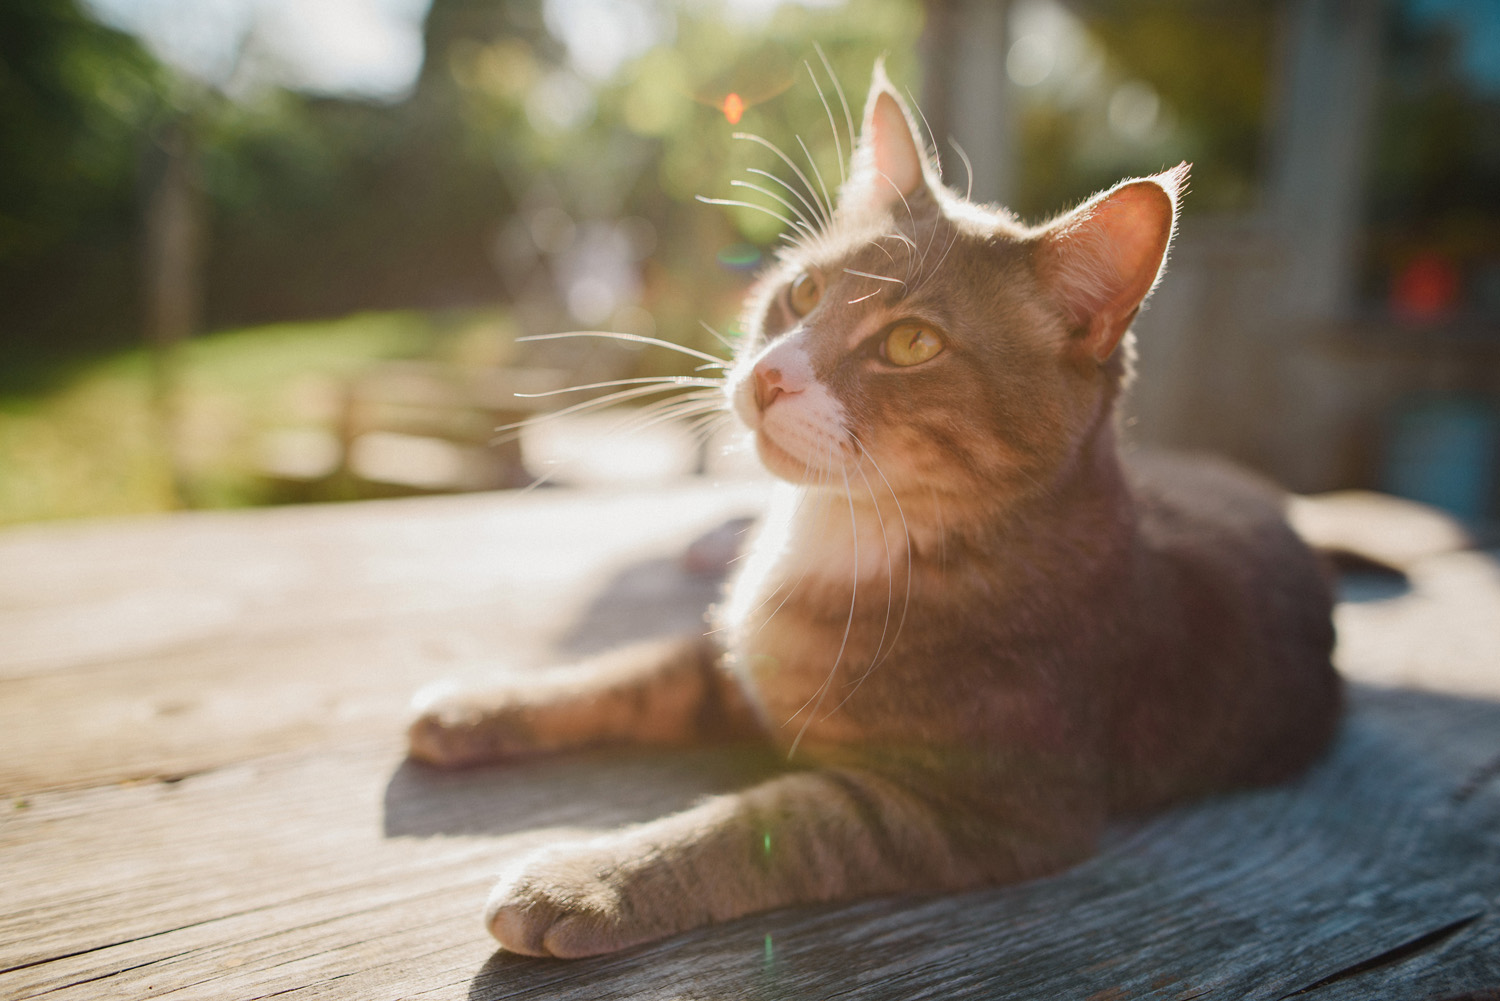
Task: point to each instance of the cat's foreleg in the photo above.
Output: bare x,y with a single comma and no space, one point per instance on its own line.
662,693
805,837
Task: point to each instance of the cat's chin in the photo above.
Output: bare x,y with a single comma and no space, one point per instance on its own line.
783,464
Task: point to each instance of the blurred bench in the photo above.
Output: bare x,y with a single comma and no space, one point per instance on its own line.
408,427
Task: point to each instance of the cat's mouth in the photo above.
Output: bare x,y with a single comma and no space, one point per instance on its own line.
778,461
798,458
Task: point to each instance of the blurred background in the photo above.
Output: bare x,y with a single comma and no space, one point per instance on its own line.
271,251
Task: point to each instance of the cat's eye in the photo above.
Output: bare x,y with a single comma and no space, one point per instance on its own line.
803,295
911,344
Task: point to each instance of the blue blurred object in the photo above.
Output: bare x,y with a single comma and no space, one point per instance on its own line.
1444,451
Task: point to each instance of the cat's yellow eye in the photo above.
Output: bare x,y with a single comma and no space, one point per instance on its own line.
911,344
805,291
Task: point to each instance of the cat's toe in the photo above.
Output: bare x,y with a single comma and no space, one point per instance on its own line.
559,906
453,729
550,930
431,740
518,927
555,922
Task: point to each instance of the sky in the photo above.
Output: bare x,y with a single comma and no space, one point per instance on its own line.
368,48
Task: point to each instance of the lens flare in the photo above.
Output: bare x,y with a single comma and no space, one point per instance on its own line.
734,108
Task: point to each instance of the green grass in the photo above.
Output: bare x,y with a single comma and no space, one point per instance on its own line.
100,445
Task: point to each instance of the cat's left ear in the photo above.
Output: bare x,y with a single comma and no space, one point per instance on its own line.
1100,261
889,165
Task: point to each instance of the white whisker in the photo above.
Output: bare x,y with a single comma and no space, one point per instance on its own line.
890,589
827,201
968,167
577,408
664,381
807,223
879,278
838,147
848,626
822,524
946,251
788,223
786,160
615,335
905,534
838,89
728,344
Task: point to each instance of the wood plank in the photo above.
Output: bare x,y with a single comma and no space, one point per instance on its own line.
242,633
283,849
368,881
292,851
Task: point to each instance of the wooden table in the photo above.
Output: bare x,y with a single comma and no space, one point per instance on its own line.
205,796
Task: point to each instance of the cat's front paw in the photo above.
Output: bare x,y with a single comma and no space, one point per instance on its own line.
583,899
453,729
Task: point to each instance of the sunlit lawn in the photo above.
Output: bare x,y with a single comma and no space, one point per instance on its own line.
99,444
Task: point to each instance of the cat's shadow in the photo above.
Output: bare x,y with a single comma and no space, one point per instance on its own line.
648,598
603,788
595,789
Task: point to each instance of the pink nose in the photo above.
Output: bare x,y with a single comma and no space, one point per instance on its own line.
768,385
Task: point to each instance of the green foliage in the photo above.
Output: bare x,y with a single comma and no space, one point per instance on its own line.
75,97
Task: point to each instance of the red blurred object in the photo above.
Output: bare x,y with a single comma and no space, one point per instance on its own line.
1426,289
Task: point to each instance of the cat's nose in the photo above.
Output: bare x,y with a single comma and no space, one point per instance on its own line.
769,384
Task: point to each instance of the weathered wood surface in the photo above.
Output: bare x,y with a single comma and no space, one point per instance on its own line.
205,795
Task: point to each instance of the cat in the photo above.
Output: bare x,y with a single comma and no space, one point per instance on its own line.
974,630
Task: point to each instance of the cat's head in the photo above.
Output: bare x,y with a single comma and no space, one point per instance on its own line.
938,344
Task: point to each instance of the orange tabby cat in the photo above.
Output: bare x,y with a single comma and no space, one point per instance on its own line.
974,629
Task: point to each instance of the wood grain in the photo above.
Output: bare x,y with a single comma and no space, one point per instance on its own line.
206,795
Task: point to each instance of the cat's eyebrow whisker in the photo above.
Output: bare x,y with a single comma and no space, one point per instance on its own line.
946,251
879,278
833,129
910,217
809,224
867,295
910,244
736,203
968,167
615,335
752,137
903,238
827,201
838,89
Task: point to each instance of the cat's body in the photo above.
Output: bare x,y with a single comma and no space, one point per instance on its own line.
972,627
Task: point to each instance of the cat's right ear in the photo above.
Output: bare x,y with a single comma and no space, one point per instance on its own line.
889,166
1100,261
